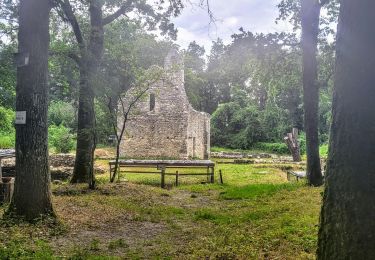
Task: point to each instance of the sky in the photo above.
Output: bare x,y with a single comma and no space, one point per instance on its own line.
252,15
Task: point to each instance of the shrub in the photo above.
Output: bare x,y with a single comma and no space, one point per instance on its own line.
7,140
7,131
6,120
323,150
60,138
279,148
62,113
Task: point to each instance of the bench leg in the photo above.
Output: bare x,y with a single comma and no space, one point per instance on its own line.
176,178
212,175
162,178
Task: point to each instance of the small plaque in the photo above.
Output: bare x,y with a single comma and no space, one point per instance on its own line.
20,118
21,59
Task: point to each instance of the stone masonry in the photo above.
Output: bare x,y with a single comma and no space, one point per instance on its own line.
164,124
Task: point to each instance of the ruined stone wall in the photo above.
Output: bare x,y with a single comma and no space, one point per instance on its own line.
163,124
198,133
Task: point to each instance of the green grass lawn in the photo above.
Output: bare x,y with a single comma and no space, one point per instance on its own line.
256,214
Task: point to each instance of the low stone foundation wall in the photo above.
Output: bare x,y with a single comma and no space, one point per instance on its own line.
238,155
61,166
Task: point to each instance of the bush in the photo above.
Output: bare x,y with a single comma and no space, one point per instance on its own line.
6,120
7,131
323,150
60,138
7,140
62,113
278,148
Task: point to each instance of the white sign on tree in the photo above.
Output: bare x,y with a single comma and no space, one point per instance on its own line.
20,118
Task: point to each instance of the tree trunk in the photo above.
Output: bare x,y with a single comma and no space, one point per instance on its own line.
84,164
310,13
347,226
32,195
291,141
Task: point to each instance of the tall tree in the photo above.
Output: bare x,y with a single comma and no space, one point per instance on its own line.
89,59
347,223
310,13
32,196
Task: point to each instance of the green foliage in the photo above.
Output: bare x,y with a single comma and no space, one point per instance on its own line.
103,123
60,138
7,131
323,150
7,140
62,113
302,142
235,127
7,74
6,120
278,148
19,249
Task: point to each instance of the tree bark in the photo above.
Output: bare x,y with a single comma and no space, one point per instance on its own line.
347,226
90,62
32,195
291,140
310,13
85,132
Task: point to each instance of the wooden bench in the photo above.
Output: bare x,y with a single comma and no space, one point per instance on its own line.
160,167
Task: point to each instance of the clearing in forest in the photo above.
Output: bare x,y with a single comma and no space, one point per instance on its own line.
256,214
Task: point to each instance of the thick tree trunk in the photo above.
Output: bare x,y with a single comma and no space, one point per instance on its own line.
84,164
310,13
347,226
32,195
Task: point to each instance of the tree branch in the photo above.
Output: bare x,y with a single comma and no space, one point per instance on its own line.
68,11
71,55
126,7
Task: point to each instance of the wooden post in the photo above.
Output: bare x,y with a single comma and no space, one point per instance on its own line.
118,172
292,141
162,168
221,176
176,178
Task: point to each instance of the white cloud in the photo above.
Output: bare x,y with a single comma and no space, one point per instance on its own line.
230,21
252,15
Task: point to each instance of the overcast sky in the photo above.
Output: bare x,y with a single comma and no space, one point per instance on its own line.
252,15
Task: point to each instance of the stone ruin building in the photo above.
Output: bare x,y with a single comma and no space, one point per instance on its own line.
164,124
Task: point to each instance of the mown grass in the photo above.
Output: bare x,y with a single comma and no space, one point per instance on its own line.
256,214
